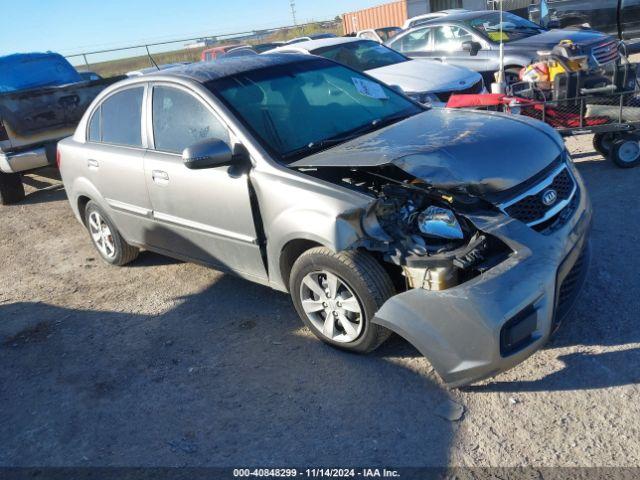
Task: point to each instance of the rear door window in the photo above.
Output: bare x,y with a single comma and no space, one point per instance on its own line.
181,120
417,41
121,118
95,134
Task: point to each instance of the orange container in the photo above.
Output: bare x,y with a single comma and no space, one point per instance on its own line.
387,15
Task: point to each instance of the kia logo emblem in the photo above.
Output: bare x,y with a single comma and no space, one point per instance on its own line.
549,197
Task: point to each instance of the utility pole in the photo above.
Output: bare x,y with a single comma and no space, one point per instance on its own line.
293,12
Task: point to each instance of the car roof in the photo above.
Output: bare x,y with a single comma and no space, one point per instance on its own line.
456,17
203,72
310,45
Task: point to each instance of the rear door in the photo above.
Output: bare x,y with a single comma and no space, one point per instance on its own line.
205,215
115,160
414,44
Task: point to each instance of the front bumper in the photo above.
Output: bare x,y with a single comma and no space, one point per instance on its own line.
460,330
23,161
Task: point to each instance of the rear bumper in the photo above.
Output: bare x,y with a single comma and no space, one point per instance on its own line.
465,331
23,161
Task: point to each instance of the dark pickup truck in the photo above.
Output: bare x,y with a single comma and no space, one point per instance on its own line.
618,18
42,98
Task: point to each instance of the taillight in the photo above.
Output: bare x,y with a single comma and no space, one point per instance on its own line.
58,157
3,132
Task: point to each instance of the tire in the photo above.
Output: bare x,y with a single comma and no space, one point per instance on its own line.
106,239
625,152
362,285
602,143
513,73
11,188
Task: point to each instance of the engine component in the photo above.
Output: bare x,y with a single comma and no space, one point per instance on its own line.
437,278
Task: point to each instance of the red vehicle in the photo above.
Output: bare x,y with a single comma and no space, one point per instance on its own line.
215,52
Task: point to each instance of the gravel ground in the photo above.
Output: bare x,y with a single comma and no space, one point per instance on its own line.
165,363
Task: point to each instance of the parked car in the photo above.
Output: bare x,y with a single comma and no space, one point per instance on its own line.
145,71
424,81
315,36
42,98
618,18
253,49
464,232
380,35
472,40
216,52
420,20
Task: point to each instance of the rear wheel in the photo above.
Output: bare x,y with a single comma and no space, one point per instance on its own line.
11,188
106,239
625,152
337,294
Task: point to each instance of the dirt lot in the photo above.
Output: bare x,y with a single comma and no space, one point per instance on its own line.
165,363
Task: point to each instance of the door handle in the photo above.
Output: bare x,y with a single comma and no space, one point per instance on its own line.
92,163
160,177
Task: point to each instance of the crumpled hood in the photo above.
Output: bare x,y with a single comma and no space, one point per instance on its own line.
482,152
421,76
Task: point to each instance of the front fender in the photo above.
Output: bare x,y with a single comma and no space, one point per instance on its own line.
334,231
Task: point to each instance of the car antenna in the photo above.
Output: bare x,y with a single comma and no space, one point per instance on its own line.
499,86
151,58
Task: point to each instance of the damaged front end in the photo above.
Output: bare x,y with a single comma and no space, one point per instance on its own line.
426,232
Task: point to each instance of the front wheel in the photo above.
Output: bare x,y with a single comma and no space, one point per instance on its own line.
106,239
625,152
337,294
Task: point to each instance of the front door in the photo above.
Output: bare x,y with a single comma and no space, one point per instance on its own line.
447,47
205,215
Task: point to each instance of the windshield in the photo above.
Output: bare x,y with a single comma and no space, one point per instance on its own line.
513,27
26,71
300,108
387,33
361,56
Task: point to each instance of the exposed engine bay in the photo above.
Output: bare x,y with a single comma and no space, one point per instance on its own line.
418,228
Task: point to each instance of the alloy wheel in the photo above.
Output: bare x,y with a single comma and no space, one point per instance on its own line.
101,235
331,306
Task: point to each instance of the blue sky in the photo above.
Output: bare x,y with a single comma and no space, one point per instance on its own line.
72,26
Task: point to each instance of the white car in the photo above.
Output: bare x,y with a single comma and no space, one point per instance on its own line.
425,81
419,20
380,35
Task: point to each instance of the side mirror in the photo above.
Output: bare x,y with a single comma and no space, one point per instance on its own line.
397,89
472,47
209,153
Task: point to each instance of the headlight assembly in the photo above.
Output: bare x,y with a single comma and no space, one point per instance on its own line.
440,223
428,99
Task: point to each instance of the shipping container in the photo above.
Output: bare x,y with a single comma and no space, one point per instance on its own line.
387,15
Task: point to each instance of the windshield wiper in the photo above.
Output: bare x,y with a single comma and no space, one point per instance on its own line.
376,124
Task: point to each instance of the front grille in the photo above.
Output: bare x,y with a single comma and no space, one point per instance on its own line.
606,52
531,209
475,88
570,286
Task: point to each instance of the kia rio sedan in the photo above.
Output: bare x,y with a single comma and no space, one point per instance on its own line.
464,232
